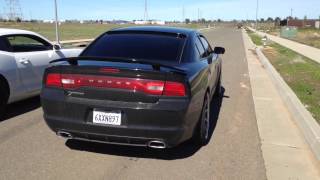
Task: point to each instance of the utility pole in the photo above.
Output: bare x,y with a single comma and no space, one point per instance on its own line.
292,13
57,21
198,14
145,10
183,15
257,11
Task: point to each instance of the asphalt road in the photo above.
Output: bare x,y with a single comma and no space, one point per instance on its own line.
29,150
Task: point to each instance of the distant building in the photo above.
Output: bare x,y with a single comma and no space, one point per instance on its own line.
318,24
158,22
48,21
53,21
300,23
153,22
141,22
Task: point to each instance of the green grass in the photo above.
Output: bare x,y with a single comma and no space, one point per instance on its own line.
72,31
300,73
255,38
68,31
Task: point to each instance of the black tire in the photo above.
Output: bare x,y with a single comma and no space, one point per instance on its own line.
202,132
4,94
218,90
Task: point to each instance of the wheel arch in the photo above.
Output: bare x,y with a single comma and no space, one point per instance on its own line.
6,83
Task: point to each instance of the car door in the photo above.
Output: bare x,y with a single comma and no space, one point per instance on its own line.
9,71
206,57
32,55
212,58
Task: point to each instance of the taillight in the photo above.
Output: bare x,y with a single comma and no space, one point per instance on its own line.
53,80
152,87
155,88
174,89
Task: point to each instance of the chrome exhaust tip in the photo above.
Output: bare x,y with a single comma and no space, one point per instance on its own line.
157,145
64,134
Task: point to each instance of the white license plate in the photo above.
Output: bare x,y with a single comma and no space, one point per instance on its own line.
108,118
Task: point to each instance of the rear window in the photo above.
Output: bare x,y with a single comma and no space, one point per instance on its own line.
137,46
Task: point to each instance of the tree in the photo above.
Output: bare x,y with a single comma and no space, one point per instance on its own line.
187,21
262,20
305,17
270,19
19,20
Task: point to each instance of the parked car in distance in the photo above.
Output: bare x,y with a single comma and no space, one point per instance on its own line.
140,86
24,55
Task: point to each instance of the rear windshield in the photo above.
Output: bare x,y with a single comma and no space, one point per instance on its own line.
137,46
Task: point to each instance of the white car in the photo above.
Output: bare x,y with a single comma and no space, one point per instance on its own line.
24,55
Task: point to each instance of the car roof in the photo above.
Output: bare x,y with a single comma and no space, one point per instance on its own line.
7,31
160,29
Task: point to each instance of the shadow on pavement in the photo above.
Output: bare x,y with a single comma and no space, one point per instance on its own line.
182,151
21,107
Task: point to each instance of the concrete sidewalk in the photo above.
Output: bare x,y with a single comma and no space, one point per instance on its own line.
308,51
285,152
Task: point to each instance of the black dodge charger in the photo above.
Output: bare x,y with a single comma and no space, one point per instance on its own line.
140,86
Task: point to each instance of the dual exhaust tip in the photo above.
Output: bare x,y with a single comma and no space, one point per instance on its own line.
156,144
65,135
151,144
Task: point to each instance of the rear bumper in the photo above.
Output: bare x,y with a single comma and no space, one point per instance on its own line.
168,120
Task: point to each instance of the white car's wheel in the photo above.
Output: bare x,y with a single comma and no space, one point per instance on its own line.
3,97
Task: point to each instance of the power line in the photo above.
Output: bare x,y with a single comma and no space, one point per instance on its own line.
14,8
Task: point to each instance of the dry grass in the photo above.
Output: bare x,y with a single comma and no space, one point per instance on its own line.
309,37
72,31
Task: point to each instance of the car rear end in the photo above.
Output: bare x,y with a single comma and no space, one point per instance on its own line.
120,100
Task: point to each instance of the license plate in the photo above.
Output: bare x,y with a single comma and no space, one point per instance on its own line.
108,118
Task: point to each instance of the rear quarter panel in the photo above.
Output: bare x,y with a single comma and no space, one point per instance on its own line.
9,70
198,76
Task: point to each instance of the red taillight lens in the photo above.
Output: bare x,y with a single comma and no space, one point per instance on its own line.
54,80
174,89
152,87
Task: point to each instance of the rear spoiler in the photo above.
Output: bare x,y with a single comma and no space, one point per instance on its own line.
155,65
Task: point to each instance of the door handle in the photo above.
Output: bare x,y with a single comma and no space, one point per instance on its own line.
24,61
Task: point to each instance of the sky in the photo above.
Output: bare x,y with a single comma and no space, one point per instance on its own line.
166,9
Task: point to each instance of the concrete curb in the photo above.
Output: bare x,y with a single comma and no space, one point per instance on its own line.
307,124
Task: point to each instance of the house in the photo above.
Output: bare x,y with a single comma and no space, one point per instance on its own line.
302,23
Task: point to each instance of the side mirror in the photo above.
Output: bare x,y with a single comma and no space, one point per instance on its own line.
56,47
219,50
